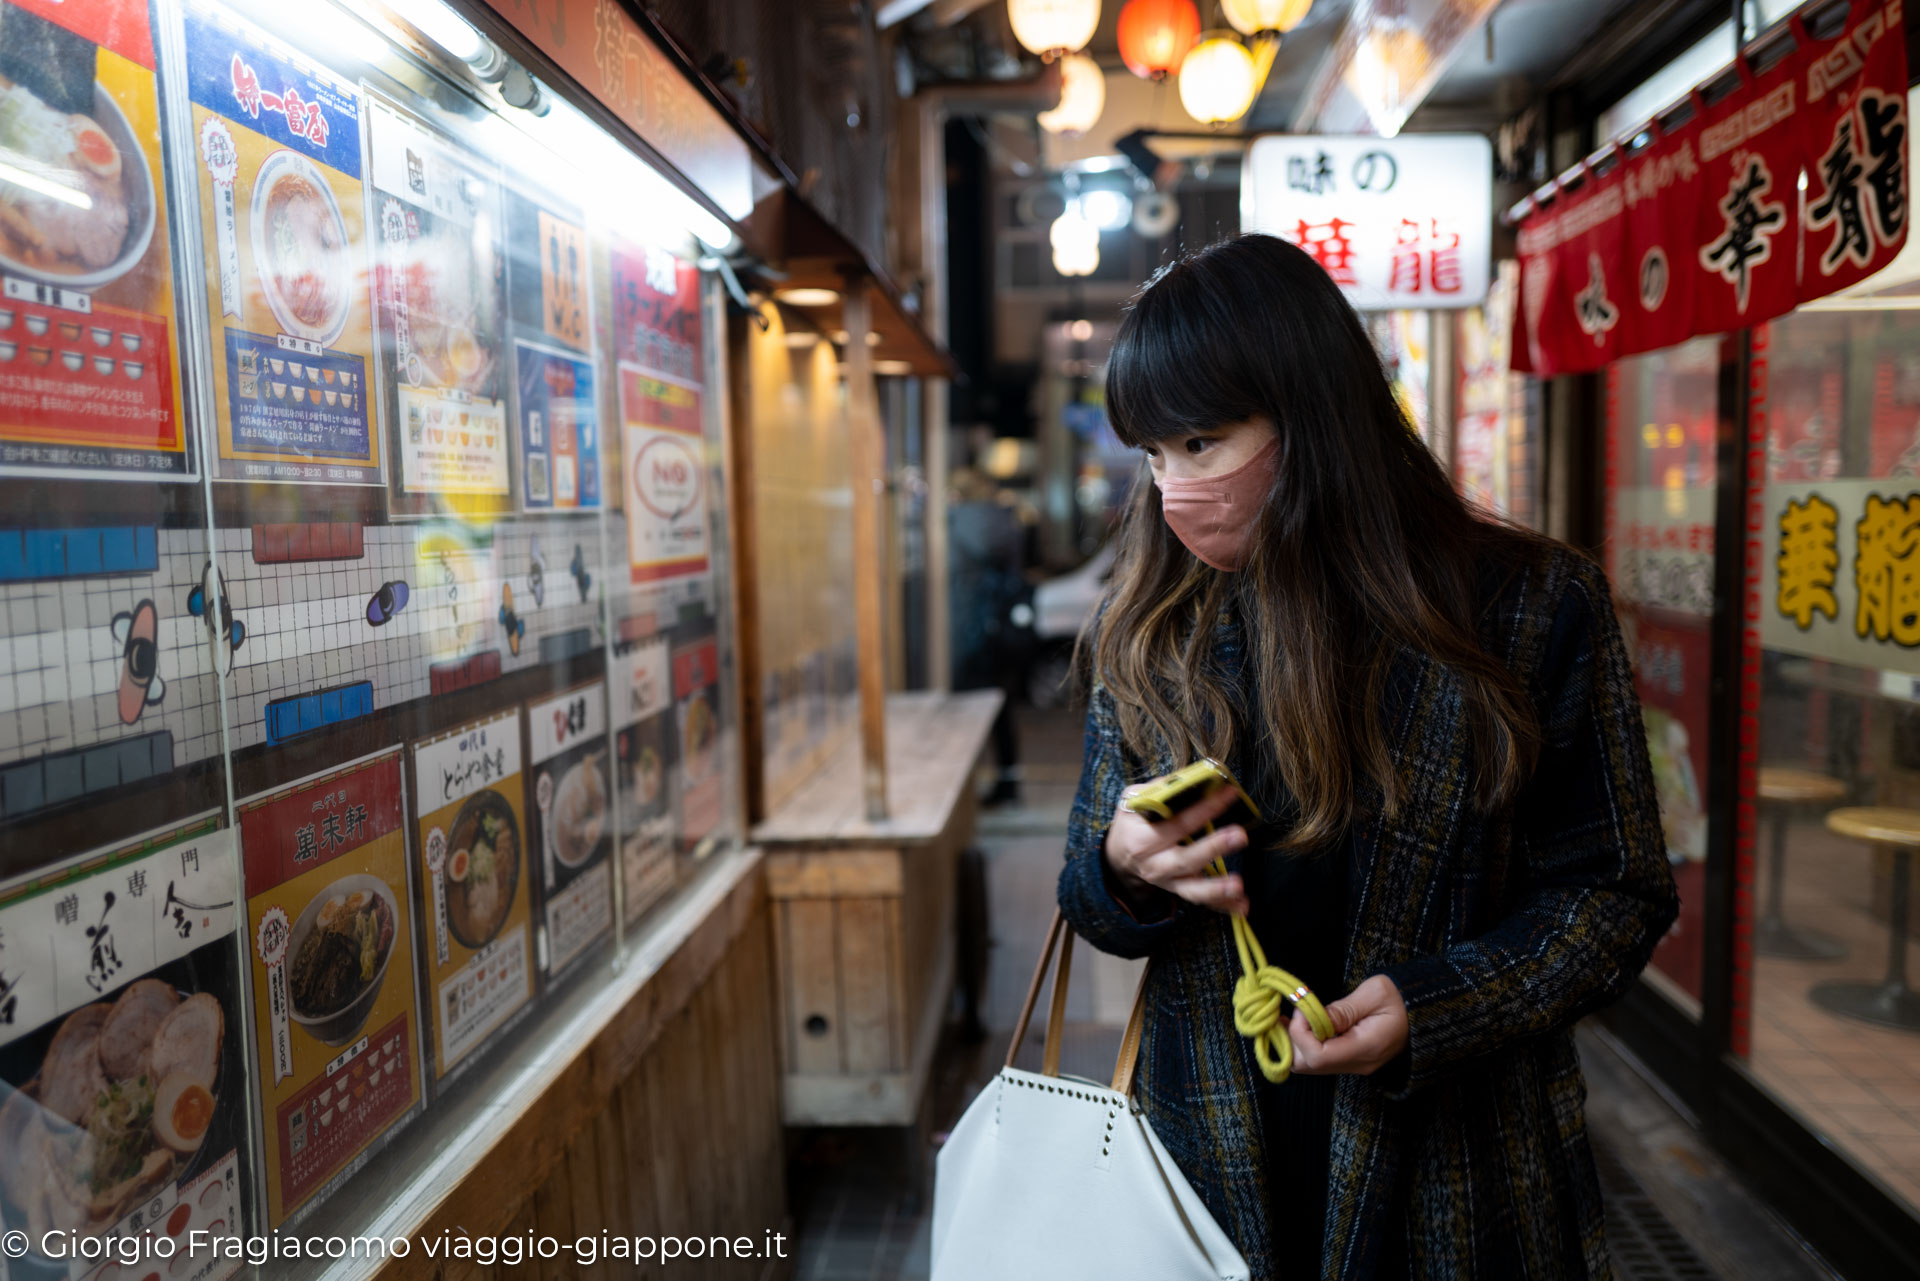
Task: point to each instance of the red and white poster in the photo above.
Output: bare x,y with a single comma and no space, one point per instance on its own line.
657,346
87,336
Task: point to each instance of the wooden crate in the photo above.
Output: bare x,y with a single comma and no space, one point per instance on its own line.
863,918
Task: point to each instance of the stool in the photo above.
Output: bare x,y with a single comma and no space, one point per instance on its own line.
1780,789
1890,1002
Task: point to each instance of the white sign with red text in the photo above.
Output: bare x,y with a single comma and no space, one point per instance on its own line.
1402,222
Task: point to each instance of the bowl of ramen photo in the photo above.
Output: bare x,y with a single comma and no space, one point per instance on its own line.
119,1109
300,249
89,216
337,957
579,811
482,870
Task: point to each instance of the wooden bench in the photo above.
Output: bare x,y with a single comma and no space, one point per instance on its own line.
863,913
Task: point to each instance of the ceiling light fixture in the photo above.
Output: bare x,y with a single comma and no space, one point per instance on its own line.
807,296
1051,28
1083,96
1219,79
1156,34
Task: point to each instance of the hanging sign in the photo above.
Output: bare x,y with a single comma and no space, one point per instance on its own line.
1747,225
1853,136
1791,186
1397,222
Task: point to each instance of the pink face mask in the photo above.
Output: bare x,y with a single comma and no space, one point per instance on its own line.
1214,516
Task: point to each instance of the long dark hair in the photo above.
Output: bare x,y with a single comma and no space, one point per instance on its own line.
1361,549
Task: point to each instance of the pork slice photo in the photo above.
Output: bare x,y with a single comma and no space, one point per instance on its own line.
187,1041
127,1038
71,1077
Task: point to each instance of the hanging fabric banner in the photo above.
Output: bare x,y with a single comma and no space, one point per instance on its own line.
1853,127
1789,187
1661,187
1747,228
1592,267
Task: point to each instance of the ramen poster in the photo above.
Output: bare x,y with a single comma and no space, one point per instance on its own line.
571,821
330,934
558,409
646,750
87,336
472,841
121,1074
277,155
440,293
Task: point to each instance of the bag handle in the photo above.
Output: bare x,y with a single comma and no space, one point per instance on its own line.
1060,933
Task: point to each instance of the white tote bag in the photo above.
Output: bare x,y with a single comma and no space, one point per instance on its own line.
1053,1177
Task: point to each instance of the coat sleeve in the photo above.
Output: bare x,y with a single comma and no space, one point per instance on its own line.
1598,893
1087,894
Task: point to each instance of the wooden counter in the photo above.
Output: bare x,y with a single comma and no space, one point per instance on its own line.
649,1109
862,913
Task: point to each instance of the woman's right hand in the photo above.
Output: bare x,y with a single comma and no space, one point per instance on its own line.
1146,855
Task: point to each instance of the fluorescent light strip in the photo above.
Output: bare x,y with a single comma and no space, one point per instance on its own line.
45,186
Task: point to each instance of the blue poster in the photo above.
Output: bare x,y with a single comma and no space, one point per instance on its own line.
559,430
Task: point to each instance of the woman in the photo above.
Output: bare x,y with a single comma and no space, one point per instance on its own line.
1436,715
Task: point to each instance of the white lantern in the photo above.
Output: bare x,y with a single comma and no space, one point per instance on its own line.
1083,96
1053,27
1218,81
1250,17
1076,245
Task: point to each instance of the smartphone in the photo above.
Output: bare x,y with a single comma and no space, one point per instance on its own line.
1161,800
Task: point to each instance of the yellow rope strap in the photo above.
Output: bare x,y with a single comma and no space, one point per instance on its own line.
1261,996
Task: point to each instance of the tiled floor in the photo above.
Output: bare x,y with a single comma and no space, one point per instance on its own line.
1675,1211
1857,1083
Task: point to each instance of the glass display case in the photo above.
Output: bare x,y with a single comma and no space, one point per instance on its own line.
366,672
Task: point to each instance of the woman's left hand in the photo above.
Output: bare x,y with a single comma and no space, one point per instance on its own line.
1370,1028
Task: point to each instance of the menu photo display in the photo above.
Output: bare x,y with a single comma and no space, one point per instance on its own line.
277,155
571,822
558,414
122,1082
87,336
477,932
330,932
440,296
646,749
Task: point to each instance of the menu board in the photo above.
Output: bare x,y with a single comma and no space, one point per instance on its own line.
471,840
571,821
277,157
656,333
121,1077
87,335
696,708
330,931
440,295
558,414
646,747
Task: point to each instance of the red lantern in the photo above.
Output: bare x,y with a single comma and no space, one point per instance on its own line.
1156,34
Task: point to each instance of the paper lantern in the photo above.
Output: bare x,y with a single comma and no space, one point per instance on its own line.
1076,245
1250,17
1218,80
1156,34
1083,96
1053,27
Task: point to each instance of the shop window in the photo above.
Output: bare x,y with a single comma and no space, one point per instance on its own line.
1830,1026
1661,412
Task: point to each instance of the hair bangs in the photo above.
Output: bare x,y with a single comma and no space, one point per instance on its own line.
1178,366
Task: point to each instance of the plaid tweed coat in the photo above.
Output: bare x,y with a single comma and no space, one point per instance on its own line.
1500,929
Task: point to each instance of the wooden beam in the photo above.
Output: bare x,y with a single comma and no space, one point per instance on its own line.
868,451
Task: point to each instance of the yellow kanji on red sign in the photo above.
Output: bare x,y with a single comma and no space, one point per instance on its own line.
1809,560
1886,569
